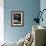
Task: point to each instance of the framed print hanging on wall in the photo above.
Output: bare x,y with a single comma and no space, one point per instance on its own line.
17,18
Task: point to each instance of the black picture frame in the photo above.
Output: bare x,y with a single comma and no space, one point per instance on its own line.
17,18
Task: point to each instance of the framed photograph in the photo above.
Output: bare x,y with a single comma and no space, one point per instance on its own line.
17,18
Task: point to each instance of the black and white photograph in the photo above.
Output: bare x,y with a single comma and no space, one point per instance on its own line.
17,18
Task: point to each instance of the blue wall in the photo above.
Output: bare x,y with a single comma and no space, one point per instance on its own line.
29,7
43,6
